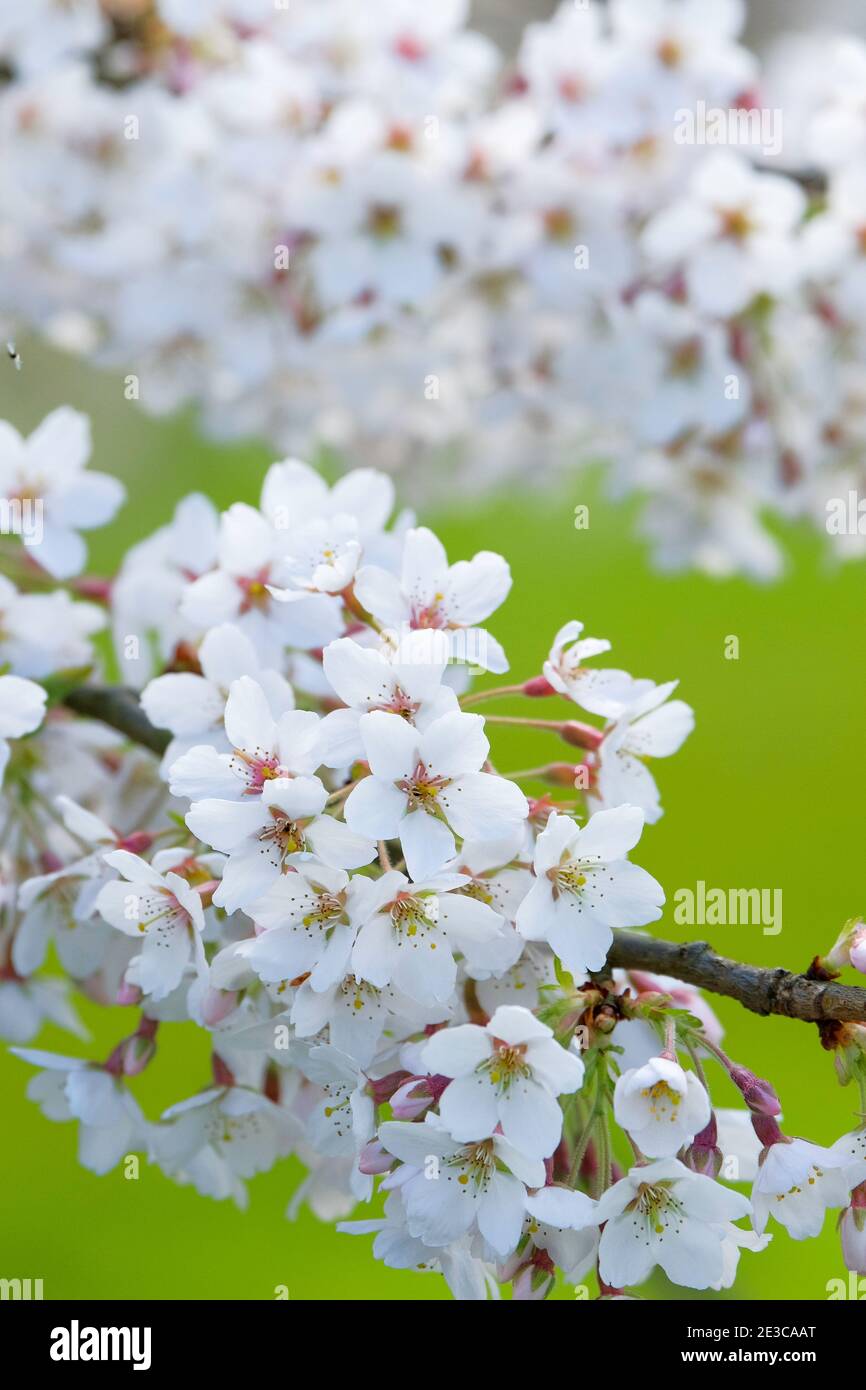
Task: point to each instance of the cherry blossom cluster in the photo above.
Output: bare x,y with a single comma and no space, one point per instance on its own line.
319,218
299,841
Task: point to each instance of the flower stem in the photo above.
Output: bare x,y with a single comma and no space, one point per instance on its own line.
477,697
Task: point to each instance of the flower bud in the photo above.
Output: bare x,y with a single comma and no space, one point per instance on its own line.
767,1130
384,1087
580,735
847,1042
853,1231
137,842
561,774
222,1073
374,1159
412,1098
703,1154
532,1285
850,943
857,950
538,687
758,1094
216,1005
138,1052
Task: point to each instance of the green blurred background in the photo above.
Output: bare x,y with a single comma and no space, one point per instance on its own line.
768,792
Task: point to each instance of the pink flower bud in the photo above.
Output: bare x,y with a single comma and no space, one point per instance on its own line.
758,1094
703,1154
580,735
373,1159
216,1005
532,1285
853,1231
222,1074
93,587
137,842
384,1087
411,1099
767,1130
561,774
138,1052
128,994
857,950
538,688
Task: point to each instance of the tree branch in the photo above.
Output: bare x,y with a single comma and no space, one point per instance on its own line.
762,990
120,708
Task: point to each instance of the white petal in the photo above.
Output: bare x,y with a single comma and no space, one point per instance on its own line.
427,844
456,1051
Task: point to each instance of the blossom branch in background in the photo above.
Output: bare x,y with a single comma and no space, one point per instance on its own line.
634,242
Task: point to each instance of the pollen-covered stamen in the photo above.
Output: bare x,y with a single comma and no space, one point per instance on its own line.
337,1108
330,910
655,1211
471,1167
226,1129
254,590
506,1065
570,876
256,769
162,911
430,616
400,703
358,993
814,1175
282,838
415,920
663,1101
478,890
423,789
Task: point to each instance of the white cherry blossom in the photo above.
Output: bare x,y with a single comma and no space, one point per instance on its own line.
606,692
406,680
192,706
22,709
652,726
431,594
160,910
413,931
584,886
661,1106
663,1214
68,1088
264,743
427,786
507,1074
262,836
796,1183
449,1189
48,470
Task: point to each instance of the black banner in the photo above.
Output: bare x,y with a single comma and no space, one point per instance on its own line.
59,1339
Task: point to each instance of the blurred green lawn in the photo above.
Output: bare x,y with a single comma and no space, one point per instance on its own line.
767,793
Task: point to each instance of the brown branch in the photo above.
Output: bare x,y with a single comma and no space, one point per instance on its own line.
119,707
762,990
